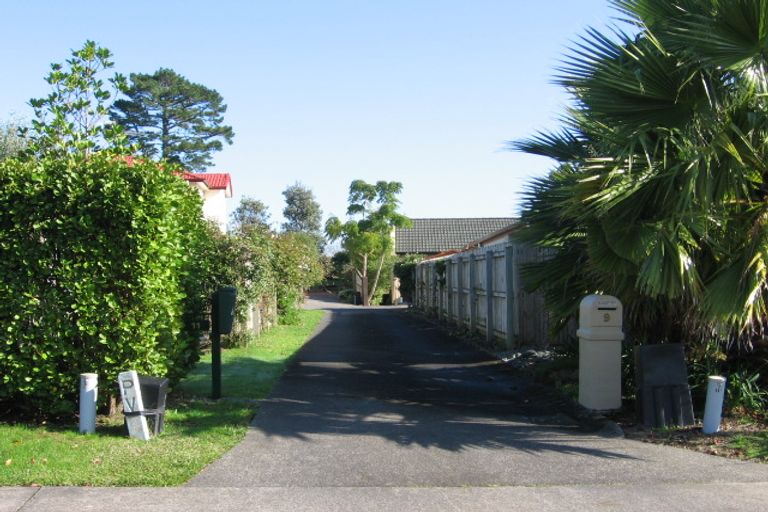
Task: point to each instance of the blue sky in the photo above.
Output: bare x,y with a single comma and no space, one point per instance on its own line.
323,92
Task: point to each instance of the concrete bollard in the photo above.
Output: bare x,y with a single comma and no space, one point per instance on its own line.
713,409
89,386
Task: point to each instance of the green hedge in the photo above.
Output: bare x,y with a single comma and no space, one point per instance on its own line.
98,271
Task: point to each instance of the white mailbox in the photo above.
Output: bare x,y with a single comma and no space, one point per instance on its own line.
600,337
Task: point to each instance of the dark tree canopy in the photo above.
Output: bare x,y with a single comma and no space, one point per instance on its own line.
302,212
171,118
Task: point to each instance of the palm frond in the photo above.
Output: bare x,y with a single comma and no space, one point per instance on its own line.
563,146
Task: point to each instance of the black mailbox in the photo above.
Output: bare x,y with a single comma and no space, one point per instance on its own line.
223,314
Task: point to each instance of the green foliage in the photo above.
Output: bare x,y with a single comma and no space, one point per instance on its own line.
287,307
99,270
385,275
297,265
242,259
743,390
170,118
340,271
250,213
11,141
658,196
302,212
71,118
260,263
367,236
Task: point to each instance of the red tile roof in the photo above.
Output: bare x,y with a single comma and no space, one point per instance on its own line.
190,176
212,180
216,181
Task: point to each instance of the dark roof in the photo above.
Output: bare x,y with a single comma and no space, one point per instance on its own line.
430,236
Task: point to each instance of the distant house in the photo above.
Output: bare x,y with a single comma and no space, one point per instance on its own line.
501,236
215,189
431,237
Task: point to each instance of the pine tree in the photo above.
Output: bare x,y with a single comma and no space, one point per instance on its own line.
171,118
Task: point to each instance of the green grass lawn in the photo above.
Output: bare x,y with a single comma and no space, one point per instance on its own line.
753,446
197,431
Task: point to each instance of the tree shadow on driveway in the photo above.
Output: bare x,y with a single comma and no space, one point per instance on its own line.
382,373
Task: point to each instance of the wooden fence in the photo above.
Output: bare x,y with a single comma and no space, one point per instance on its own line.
480,290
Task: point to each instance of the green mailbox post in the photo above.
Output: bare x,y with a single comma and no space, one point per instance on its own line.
222,318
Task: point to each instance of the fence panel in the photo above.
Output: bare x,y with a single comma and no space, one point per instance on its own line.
480,290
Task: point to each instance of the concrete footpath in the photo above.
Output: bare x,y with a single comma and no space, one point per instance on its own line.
382,411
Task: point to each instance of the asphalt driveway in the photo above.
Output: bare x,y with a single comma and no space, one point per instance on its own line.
381,398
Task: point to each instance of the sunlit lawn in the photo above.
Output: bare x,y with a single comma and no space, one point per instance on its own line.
197,431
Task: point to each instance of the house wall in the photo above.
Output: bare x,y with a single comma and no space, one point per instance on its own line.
215,207
480,291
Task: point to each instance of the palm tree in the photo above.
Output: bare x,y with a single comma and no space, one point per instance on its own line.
661,186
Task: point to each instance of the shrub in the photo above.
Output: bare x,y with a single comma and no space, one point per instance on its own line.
99,270
243,260
297,265
405,270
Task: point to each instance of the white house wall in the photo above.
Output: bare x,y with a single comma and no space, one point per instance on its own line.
215,208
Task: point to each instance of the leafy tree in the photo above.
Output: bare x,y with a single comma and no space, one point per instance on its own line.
659,194
173,119
302,212
367,236
11,141
250,213
72,118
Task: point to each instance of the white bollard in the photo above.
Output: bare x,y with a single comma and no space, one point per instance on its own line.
89,386
713,409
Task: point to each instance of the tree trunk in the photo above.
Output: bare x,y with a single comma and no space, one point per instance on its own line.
376,279
364,291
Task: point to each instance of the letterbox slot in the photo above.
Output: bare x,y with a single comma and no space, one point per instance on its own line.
606,309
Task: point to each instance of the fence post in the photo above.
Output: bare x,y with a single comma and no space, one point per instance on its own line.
434,288
460,291
472,294
510,262
416,299
489,295
447,293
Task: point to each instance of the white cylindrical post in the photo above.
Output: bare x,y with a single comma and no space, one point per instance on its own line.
89,383
714,407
